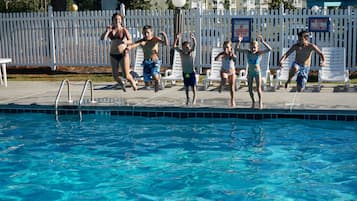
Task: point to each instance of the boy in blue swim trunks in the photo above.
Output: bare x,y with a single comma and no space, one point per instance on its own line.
151,63
303,49
254,56
188,70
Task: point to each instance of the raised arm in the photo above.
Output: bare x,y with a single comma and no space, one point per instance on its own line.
177,38
238,49
165,41
105,34
193,42
267,46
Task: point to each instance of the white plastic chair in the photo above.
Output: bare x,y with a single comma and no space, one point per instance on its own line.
213,74
282,74
175,73
335,68
138,67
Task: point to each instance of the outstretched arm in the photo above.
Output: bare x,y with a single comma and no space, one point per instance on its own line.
135,44
319,52
285,55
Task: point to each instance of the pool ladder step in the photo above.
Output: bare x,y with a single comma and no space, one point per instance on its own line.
69,96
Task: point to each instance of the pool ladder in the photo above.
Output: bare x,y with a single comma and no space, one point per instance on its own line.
70,100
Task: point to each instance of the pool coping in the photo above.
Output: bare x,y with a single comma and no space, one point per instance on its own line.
184,112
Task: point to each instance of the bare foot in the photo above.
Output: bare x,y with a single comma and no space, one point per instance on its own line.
260,105
286,85
220,88
194,101
253,105
233,103
156,86
122,86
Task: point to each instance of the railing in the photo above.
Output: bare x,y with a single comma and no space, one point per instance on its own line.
65,81
84,90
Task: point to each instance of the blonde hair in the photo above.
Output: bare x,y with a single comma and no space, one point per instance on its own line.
226,43
255,43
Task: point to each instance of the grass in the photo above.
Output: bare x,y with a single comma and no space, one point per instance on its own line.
60,77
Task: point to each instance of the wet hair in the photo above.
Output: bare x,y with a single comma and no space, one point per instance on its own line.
147,27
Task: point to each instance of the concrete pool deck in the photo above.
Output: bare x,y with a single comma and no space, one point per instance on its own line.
43,93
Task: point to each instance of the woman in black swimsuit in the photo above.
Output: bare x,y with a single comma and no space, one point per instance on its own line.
119,54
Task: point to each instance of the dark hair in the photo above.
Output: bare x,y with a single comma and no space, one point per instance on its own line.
115,14
147,27
302,33
185,43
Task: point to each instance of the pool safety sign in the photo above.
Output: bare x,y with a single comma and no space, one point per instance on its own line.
241,26
319,24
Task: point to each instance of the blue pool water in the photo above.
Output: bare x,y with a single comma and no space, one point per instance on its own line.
137,158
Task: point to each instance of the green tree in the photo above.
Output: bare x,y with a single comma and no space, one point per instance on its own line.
22,5
227,4
136,4
87,4
275,4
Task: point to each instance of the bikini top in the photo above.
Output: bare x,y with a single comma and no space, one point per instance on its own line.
254,59
119,35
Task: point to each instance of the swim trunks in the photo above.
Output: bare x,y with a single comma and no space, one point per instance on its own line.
189,79
151,68
302,75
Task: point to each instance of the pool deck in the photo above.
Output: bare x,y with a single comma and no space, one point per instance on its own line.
43,93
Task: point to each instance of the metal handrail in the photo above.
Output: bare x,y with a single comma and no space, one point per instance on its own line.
65,81
84,90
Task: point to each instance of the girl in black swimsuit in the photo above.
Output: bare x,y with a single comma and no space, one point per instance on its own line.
119,54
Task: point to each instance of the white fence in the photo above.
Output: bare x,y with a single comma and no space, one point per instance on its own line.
72,38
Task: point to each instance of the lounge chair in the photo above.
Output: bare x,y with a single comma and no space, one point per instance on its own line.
335,68
282,74
138,67
213,74
175,73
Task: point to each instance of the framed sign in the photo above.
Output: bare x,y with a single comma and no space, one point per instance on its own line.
241,26
319,24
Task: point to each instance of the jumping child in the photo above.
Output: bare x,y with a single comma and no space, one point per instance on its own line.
151,63
228,71
254,57
188,69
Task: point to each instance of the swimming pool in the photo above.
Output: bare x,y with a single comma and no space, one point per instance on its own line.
139,158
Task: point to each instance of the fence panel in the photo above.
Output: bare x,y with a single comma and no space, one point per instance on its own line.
72,38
